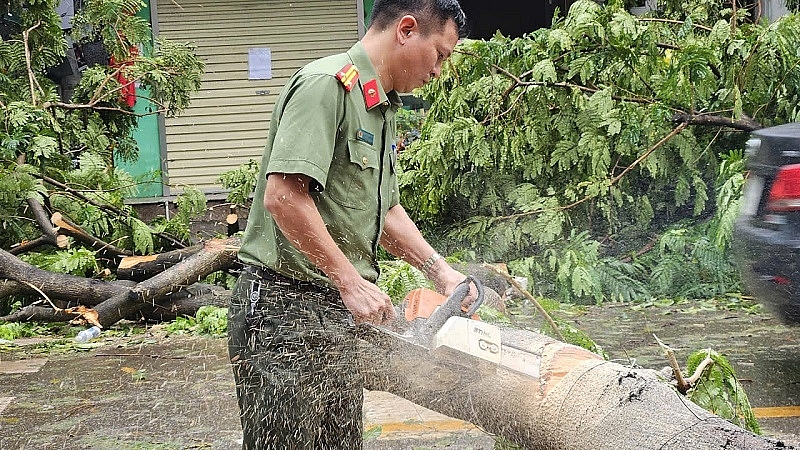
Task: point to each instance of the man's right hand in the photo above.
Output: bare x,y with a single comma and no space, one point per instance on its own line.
366,301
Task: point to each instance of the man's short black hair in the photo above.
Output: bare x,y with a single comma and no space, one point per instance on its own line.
427,13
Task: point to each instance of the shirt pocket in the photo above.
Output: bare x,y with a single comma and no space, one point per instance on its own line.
356,179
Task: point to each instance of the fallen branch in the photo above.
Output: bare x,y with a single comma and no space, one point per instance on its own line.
698,372
66,227
49,235
216,255
10,287
35,313
743,124
647,247
530,297
682,385
140,268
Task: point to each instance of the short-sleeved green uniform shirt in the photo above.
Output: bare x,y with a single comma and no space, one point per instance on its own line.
322,130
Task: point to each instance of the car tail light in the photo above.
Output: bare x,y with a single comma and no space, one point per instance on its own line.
785,192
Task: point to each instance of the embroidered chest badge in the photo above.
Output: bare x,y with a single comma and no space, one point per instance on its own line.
371,97
365,136
348,75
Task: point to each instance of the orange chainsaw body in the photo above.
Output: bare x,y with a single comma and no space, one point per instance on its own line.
420,303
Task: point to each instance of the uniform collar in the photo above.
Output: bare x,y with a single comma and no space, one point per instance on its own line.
368,73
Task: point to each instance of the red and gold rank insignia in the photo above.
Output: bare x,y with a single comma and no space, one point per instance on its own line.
348,75
371,96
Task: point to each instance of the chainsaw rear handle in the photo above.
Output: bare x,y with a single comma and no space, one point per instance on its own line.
452,307
473,308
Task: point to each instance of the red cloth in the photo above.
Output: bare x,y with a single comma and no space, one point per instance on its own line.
128,90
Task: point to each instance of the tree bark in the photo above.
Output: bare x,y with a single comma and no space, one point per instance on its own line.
546,395
140,268
216,255
185,302
10,287
59,285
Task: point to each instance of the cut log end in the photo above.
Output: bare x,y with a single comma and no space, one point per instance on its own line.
62,241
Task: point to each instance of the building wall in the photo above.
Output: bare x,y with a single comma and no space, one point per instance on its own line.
227,122
773,9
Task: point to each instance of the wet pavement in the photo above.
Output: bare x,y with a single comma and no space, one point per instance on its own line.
153,391
156,392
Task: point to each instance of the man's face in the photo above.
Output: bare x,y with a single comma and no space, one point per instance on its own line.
422,56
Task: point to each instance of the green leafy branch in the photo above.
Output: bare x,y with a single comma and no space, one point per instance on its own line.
713,386
610,182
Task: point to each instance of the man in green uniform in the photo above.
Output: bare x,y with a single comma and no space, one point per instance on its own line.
326,198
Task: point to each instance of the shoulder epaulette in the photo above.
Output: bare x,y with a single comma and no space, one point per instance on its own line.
348,75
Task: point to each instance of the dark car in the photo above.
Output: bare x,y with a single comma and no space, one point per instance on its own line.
766,239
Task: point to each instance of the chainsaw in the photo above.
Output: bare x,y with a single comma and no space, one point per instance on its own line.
432,321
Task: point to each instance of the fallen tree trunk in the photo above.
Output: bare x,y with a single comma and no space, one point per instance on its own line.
59,285
216,255
546,395
184,302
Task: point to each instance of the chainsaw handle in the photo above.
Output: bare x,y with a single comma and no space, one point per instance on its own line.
452,307
479,299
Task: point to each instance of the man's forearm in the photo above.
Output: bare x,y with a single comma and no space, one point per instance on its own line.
296,215
402,238
299,220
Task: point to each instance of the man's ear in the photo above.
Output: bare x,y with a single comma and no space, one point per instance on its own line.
406,27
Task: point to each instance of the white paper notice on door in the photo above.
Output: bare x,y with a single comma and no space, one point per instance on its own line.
260,63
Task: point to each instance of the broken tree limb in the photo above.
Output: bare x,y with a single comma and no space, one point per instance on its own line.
68,228
35,313
217,254
104,206
57,285
140,268
37,209
25,246
547,395
744,123
10,287
49,234
185,302
524,292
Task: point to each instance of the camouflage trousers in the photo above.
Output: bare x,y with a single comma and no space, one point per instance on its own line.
293,351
